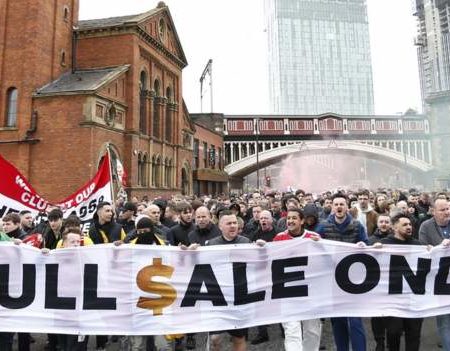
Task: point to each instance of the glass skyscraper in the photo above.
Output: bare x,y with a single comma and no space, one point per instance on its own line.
319,57
433,42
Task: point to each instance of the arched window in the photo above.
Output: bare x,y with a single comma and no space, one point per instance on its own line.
153,181
166,172
66,13
156,121
144,171
139,169
11,107
158,172
143,103
168,122
169,173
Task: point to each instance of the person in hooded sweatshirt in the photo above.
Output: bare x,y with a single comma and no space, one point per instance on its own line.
311,213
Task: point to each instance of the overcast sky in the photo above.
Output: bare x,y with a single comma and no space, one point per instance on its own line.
231,32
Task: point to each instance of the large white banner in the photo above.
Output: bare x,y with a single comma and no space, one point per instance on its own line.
140,289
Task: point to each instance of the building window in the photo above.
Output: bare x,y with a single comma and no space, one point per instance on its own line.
212,156
63,58
66,14
143,103
196,153
156,122
142,170
11,107
139,169
168,122
220,159
168,173
153,171
205,155
158,172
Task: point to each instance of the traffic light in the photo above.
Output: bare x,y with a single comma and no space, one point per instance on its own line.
268,181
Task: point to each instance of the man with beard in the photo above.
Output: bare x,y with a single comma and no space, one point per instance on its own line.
299,335
378,324
26,221
179,233
384,228
205,229
436,231
396,326
326,208
364,213
340,226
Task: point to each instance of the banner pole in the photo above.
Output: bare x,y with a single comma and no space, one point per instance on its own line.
111,188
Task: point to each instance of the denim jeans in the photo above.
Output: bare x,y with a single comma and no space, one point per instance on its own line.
443,325
346,330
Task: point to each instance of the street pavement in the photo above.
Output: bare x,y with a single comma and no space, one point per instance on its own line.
428,343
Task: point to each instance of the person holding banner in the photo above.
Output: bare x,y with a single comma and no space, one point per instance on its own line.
103,230
436,231
396,326
340,226
300,335
228,226
11,226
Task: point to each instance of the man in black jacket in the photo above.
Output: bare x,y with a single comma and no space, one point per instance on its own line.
178,234
396,326
205,229
126,216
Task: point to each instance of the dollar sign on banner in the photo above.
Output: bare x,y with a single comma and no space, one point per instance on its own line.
145,283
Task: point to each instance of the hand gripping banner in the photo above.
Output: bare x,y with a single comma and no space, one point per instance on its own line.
154,290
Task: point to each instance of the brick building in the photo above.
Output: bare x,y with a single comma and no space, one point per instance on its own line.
69,89
209,177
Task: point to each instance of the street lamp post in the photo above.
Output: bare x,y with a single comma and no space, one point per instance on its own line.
257,153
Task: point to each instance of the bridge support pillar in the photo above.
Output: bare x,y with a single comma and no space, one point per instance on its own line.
236,184
437,110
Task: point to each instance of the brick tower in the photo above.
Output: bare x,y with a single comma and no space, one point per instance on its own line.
35,48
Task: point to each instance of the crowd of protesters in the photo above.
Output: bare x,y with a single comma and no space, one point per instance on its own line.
362,217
